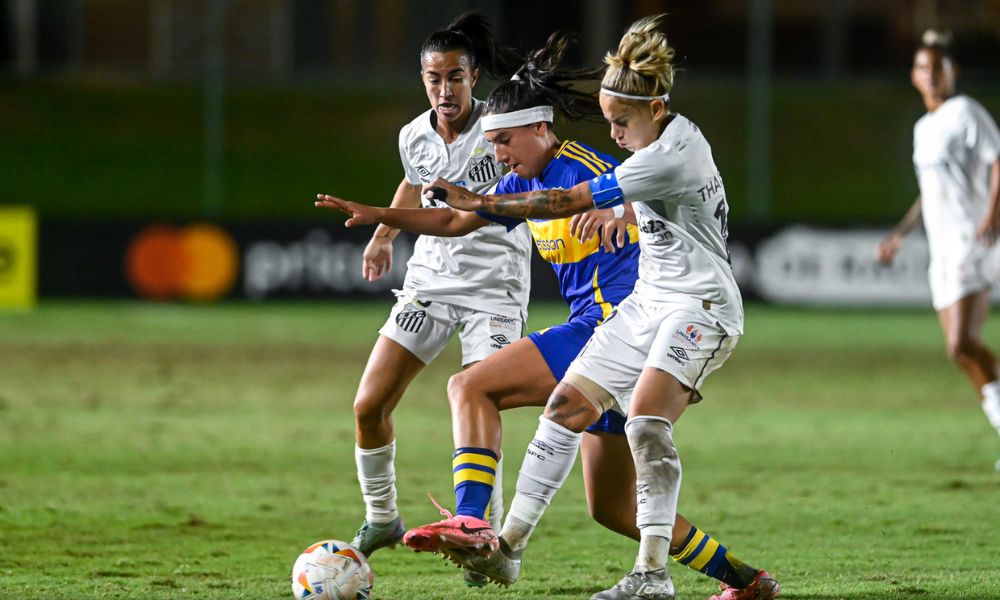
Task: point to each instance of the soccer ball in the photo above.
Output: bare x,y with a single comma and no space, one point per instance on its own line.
332,570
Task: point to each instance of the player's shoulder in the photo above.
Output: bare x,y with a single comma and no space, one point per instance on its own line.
416,129
971,108
582,160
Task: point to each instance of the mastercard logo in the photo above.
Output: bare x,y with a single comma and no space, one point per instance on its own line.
198,262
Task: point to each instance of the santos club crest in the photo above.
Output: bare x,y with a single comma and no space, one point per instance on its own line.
483,169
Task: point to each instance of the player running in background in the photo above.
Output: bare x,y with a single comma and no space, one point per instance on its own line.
476,285
956,153
651,355
518,119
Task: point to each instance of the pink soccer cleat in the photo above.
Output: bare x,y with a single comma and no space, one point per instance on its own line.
456,535
763,587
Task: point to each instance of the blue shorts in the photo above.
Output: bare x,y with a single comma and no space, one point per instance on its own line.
560,344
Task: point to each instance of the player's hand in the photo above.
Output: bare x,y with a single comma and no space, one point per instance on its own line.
455,196
887,248
587,224
360,214
377,258
988,230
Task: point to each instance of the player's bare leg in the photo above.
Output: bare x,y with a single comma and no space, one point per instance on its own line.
962,324
389,371
609,476
516,376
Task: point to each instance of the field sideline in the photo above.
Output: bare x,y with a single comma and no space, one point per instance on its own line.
171,451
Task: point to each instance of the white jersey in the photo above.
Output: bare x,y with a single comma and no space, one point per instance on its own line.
680,204
487,269
953,148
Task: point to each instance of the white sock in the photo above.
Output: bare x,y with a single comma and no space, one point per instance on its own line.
653,553
547,463
991,403
496,500
658,484
377,476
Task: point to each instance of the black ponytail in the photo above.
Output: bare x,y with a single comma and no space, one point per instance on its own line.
540,81
471,33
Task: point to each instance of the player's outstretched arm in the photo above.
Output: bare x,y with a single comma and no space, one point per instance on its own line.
887,248
377,258
541,204
446,222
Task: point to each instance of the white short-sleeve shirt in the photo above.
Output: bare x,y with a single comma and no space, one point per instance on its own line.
680,204
487,269
953,148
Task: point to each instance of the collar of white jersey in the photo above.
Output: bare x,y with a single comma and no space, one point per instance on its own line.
517,118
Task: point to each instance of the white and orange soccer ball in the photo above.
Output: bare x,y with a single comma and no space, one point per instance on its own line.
332,570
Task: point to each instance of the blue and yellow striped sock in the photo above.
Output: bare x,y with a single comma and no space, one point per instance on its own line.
474,471
705,554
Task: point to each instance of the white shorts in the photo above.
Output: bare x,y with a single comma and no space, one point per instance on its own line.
680,338
968,270
425,327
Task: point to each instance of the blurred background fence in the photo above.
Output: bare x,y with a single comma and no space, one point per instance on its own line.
171,148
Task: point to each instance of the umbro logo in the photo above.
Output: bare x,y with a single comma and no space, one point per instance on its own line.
680,352
661,588
499,340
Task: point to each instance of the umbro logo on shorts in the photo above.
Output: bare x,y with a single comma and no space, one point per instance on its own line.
411,320
680,352
482,169
500,340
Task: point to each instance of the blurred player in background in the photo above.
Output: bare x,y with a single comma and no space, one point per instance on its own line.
653,352
476,285
593,278
956,153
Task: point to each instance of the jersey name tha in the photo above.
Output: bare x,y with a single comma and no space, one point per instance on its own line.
711,188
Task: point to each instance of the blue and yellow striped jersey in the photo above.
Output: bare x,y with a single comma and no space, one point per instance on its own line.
589,277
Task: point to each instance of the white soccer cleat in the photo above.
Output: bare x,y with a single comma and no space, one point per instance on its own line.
501,567
646,585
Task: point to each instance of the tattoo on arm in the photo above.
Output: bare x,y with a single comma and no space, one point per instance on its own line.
544,204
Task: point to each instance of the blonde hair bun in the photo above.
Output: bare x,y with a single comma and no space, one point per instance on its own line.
643,65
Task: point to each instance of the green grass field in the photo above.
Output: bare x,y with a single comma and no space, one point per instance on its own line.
170,451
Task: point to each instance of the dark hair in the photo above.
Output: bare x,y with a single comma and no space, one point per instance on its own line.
540,81
471,33
939,41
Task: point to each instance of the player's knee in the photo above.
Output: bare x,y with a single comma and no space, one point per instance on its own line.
571,409
459,386
961,348
369,410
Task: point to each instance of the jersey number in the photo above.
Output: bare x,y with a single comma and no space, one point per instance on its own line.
722,214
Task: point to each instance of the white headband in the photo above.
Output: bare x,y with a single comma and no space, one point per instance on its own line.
517,118
664,97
